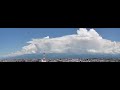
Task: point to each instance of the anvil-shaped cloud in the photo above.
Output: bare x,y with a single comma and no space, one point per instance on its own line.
84,42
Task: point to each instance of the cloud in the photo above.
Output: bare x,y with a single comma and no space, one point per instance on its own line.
84,42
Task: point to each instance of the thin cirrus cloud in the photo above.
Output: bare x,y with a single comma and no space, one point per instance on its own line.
84,42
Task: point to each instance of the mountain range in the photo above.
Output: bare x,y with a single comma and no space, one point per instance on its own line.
64,55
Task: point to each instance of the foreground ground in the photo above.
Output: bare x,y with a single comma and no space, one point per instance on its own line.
64,60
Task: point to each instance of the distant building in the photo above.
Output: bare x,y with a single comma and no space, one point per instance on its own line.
44,59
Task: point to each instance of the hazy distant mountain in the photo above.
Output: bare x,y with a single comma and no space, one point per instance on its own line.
52,55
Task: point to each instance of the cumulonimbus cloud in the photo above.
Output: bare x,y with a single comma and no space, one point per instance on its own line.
84,42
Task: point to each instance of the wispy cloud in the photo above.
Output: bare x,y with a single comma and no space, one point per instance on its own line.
85,41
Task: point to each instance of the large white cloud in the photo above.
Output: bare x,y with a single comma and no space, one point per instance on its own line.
85,41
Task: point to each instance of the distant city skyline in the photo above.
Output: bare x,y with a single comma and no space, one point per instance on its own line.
13,40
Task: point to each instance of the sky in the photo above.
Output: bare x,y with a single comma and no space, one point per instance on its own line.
13,40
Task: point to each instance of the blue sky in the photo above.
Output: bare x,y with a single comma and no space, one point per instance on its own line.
13,39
